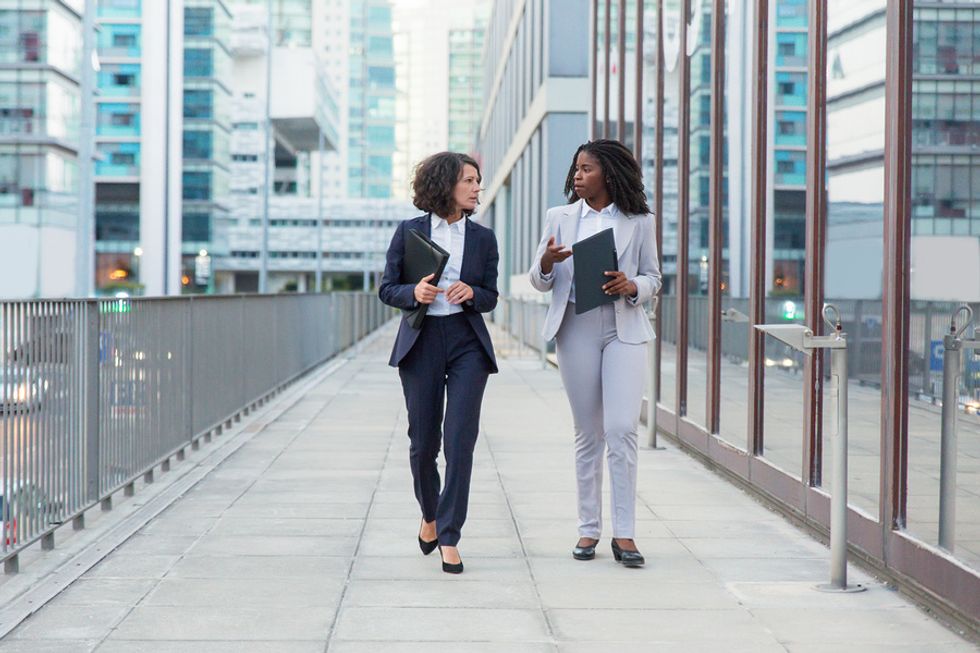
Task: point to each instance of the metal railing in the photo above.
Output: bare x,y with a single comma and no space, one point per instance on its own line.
96,393
524,319
928,322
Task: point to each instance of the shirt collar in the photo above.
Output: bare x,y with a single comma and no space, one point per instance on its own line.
438,222
610,211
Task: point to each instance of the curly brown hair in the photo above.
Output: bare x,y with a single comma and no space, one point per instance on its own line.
436,178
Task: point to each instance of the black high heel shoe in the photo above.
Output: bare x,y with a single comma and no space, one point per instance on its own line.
627,558
584,552
427,547
451,568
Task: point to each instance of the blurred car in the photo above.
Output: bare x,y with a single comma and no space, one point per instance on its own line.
20,389
26,502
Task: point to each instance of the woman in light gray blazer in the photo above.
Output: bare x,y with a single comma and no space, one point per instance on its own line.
602,353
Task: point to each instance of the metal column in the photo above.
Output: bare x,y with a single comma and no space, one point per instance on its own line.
953,347
802,339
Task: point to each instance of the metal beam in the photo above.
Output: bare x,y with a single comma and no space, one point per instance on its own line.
816,235
757,272
715,214
896,268
683,204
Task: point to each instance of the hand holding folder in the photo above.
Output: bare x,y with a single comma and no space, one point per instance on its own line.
594,256
422,258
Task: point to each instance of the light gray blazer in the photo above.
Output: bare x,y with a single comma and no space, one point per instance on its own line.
636,245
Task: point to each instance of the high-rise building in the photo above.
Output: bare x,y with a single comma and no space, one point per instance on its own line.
138,174
439,80
370,100
207,133
40,109
275,157
465,87
536,101
788,120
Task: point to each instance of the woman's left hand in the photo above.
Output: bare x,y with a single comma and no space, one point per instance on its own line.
619,285
458,293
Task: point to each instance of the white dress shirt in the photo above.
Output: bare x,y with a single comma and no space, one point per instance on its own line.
451,238
590,223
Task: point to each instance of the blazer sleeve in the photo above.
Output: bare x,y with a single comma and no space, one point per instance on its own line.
485,294
647,279
539,280
392,291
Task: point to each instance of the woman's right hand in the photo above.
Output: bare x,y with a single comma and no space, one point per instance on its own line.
425,292
553,254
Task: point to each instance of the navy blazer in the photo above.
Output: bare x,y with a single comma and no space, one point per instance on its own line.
480,258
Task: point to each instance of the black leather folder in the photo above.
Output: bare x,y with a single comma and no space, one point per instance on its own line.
422,258
593,257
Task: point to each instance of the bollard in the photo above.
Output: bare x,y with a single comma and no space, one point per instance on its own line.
953,346
802,339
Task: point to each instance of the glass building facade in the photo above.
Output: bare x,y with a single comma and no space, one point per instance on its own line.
118,141
207,134
40,59
465,77
371,100
845,174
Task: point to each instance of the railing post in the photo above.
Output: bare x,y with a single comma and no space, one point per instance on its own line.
953,347
652,364
90,404
838,498
520,327
802,339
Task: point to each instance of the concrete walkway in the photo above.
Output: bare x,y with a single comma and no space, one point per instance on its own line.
304,540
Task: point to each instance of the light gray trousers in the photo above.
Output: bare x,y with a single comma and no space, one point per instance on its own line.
604,379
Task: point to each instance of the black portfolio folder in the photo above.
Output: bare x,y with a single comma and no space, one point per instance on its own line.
593,257
422,258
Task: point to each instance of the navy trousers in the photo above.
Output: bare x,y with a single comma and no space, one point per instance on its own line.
443,378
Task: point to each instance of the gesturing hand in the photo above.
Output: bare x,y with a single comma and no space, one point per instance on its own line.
619,285
425,292
553,254
458,293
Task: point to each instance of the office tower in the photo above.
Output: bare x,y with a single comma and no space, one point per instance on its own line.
40,114
439,80
139,125
207,132
536,101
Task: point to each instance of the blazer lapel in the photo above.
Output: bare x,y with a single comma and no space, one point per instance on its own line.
568,224
469,270
623,229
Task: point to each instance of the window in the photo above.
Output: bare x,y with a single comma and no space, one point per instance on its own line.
196,228
198,145
198,21
198,62
123,40
197,185
198,104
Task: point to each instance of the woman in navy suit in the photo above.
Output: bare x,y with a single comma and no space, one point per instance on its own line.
448,360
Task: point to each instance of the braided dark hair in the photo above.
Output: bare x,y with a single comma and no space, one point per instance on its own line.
436,177
624,181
